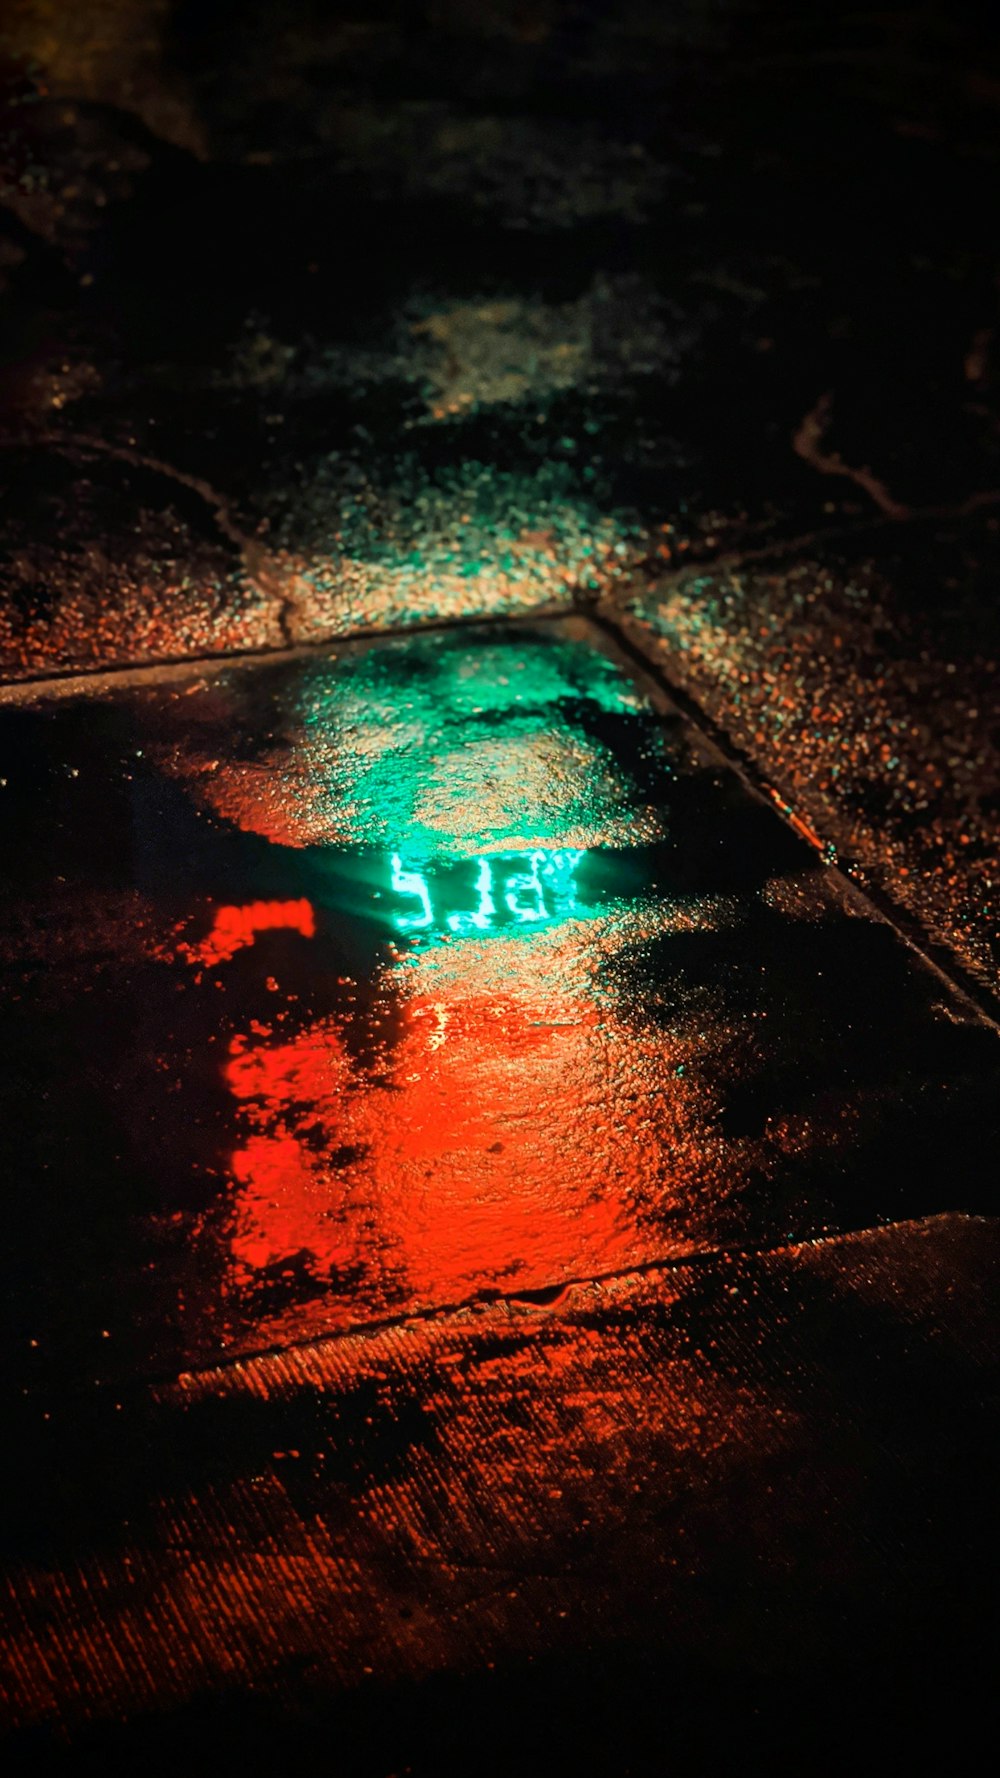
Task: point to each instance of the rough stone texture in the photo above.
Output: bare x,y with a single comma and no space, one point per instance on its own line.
558,1163
108,560
319,318
716,1497
861,677
363,317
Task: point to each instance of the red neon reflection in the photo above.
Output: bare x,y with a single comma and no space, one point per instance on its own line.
512,1132
494,1168
235,927
288,1204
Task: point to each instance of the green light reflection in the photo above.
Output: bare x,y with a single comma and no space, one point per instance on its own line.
432,748
543,891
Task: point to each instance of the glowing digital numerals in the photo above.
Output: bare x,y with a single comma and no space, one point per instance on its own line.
411,882
541,888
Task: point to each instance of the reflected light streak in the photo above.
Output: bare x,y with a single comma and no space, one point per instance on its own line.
235,927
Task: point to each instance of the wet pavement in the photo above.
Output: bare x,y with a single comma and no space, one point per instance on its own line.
324,319
698,1507
498,884
432,968
452,988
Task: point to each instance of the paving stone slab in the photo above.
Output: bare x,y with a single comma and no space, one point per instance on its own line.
448,966
737,1486
860,676
436,1089
106,560
628,295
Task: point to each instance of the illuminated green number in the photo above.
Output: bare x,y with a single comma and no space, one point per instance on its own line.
531,895
523,892
487,906
557,870
411,882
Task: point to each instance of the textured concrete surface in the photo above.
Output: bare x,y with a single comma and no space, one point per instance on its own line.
701,1506
320,319
449,995
499,1157
861,673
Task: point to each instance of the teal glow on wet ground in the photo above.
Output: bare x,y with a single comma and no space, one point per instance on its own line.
429,747
523,889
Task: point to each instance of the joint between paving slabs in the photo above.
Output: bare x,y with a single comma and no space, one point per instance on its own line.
93,681
260,566
982,1004
550,1300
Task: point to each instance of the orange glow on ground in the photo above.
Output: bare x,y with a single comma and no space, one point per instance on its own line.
478,1155
288,1204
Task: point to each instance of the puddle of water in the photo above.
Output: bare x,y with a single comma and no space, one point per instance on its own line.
436,967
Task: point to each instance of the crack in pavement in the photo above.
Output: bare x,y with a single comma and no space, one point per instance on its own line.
271,572
93,681
260,564
807,443
86,444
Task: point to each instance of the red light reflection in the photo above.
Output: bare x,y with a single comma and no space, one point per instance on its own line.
287,1204
508,1140
235,927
